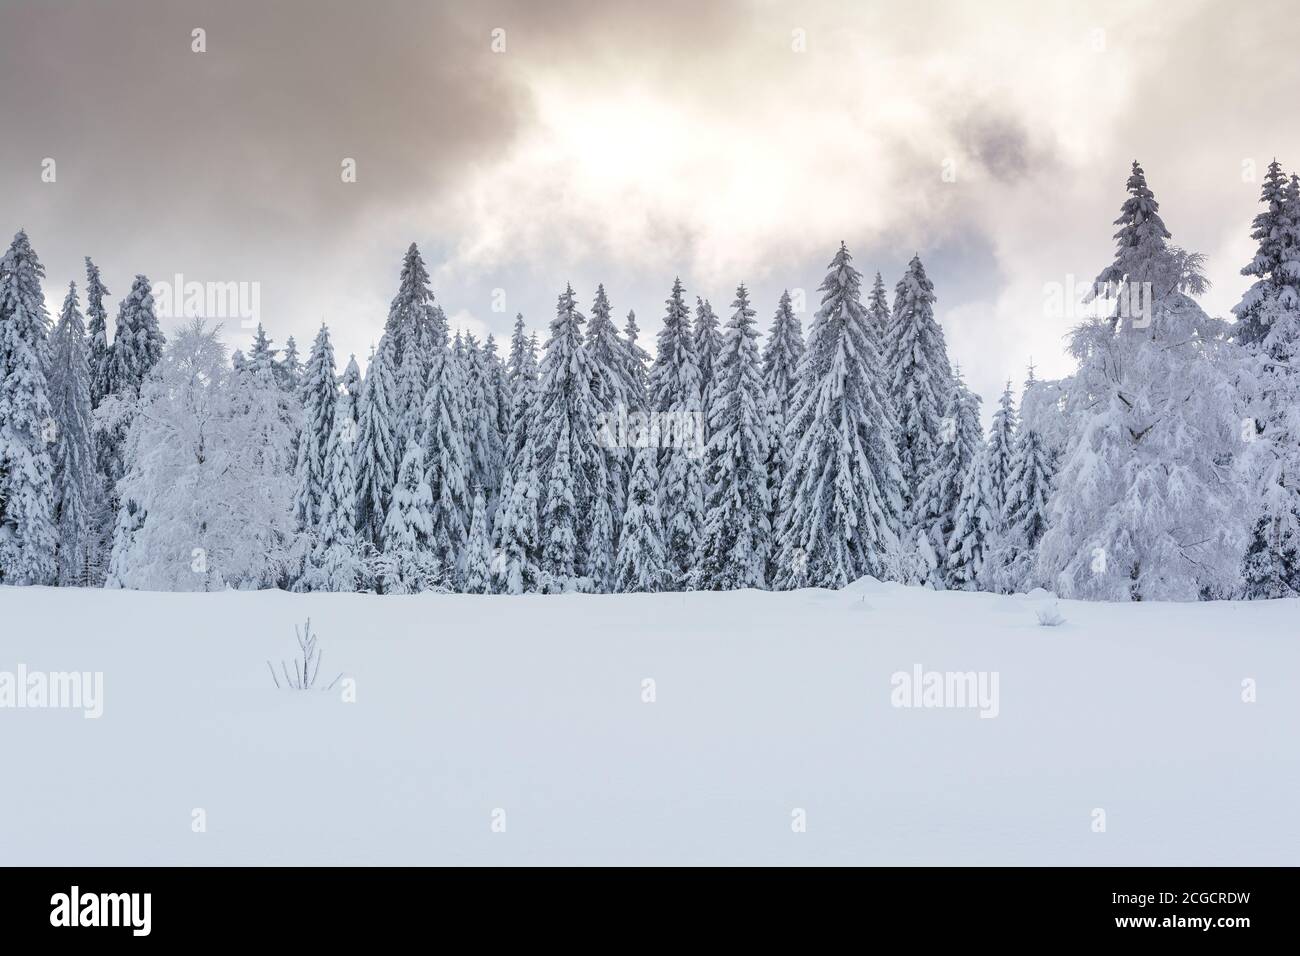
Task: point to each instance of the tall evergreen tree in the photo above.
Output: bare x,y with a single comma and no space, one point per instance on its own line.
736,533
336,562
408,564
515,567
878,308
611,391
1142,509
569,457
841,500
920,378
27,531
638,362
377,454
447,462
478,550
674,391
288,370
961,442
319,397
99,355
974,525
483,440
1001,446
708,343
76,487
782,352
642,562
1275,287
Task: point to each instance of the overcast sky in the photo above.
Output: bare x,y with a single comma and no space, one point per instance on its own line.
627,142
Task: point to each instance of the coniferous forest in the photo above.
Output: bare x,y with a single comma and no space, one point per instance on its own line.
733,451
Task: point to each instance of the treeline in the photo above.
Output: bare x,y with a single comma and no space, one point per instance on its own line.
1165,468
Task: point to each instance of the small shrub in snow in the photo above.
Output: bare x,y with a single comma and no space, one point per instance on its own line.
1050,616
305,668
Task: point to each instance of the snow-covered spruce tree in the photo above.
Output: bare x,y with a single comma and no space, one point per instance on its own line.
319,397
478,550
612,393
1001,450
1146,507
708,342
213,510
98,353
841,500
636,363
736,535
483,440
76,485
336,562
408,563
351,383
27,531
974,525
569,457
1272,564
501,397
515,532
781,354
288,371
920,378
961,441
1274,286
261,354
878,308
521,372
1010,565
447,464
411,311
642,562
674,398
137,347
376,446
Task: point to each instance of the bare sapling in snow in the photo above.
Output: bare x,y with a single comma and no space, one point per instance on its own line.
306,668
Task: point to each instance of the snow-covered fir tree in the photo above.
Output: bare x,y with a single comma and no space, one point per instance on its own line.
569,457
515,537
611,391
781,354
878,307
974,525
642,561
1009,567
920,377
1269,322
137,347
76,486
319,397
351,383
637,364
1001,450
478,550
1146,507
288,371
27,428
960,443
98,353
483,438
447,458
674,396
841,500
336,562
408,563
376,446
736,535
708,342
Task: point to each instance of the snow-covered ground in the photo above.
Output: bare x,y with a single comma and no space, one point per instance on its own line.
530,711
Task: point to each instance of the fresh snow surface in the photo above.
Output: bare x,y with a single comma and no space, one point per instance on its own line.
765,703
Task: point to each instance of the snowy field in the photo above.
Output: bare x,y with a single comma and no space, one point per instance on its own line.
528,712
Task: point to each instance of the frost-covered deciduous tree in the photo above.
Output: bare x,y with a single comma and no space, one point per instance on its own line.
1147,505
736,535
213,507
841,501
